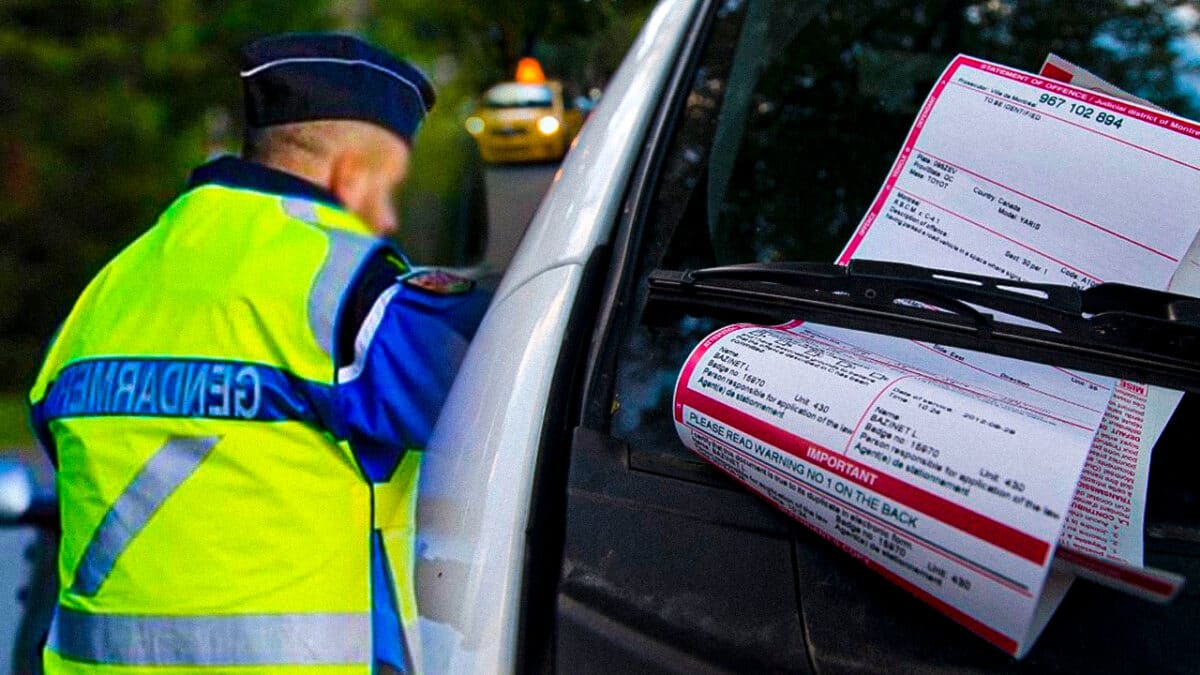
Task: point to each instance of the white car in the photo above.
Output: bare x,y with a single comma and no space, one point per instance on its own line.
563,526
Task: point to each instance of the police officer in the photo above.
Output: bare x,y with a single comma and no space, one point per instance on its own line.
237,401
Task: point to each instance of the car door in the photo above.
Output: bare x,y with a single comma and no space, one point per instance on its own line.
778,135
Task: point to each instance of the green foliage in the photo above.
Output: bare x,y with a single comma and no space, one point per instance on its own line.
845,81
1131,44
106,105
487,38
14,422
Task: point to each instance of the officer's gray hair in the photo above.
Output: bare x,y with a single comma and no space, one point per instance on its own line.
270,143
303,140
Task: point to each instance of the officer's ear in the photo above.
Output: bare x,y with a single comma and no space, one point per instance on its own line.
350,177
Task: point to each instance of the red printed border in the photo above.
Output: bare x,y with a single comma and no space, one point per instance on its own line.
1004,642
1143,114
976,626
992,531
1146,581
915,539
1177,124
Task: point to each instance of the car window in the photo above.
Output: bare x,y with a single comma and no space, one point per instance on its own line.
515,95
793,117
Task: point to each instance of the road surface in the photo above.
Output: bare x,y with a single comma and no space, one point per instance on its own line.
514,192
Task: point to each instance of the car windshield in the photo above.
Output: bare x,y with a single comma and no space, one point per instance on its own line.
809,102
790,121
797,111
517,95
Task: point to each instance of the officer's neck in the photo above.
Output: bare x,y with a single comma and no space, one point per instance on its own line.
315,171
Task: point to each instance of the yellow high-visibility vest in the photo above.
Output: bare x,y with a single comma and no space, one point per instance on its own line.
212,518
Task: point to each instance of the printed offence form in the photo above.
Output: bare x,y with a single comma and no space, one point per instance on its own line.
1104,522
1091,149
951,472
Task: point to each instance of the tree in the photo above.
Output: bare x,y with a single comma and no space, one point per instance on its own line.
490,37
104,110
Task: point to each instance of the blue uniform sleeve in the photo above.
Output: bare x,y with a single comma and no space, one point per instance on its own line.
406,354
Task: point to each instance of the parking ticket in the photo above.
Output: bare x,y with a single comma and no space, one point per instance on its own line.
888,461
953,473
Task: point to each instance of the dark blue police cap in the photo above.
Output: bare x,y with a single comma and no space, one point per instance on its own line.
321,76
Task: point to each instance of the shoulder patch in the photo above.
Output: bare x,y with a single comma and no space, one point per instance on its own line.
439,282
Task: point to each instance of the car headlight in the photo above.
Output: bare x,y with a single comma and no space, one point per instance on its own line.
548,125
474,126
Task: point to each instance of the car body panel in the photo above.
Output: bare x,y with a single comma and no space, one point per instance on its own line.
475,490
477,477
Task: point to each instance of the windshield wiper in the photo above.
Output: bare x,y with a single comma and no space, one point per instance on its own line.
1111,329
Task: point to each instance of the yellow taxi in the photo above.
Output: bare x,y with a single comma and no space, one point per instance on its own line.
526,120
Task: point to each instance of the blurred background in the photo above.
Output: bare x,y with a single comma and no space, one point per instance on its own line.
106,105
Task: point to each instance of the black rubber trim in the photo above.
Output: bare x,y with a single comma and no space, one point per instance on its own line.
547,508
614,311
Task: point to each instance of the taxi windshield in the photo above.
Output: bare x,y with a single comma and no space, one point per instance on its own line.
517,95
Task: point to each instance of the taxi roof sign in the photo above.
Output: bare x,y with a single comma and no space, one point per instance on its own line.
529,71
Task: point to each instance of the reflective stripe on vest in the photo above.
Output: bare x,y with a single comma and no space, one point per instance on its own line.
345,256
166,470
228,640
396,520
